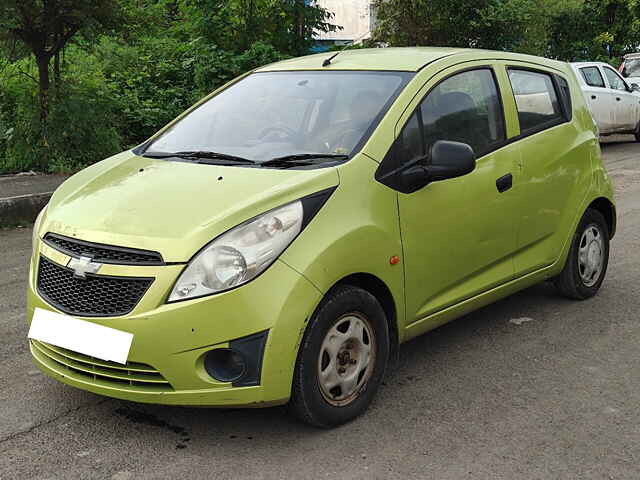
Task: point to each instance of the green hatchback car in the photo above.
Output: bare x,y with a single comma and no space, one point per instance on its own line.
278,241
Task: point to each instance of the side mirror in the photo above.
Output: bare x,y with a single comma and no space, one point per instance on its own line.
447,160
450,160
635,87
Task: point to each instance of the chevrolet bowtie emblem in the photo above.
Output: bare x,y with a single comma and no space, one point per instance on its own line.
83,265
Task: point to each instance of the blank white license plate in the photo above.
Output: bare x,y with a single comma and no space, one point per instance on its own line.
80,336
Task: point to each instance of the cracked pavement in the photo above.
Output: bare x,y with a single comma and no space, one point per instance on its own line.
532,387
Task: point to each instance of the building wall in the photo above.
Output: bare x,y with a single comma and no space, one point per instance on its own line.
353,15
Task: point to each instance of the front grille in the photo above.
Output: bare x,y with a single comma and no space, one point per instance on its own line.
93,296
102,253
131,376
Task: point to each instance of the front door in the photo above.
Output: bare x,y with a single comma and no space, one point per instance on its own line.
624,102
600,99
458,235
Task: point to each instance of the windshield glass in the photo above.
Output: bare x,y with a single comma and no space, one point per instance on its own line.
276,114
631,68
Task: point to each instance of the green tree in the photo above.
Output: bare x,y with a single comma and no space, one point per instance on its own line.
596,30
300,21
45,27
514,25
234,25
426,22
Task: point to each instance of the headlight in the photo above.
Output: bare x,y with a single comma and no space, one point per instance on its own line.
241,254
36,227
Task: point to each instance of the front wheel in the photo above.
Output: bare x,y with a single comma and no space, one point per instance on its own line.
588,259
342,358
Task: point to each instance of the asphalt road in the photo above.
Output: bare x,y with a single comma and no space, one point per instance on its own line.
533,387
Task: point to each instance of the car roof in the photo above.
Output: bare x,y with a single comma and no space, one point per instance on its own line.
579,65
589,64
409,59
398,59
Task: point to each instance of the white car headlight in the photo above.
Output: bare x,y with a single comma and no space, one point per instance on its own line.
241,254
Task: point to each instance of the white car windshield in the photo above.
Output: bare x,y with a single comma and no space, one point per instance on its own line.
278,114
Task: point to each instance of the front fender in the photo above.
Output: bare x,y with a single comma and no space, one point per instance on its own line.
356,231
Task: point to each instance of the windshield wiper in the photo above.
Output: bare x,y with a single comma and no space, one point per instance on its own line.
287,161
299,158
200,155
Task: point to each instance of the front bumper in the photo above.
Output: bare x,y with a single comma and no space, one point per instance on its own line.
166,360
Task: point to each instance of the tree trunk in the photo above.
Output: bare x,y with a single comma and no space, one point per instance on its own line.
252,15
44,84
56,72
300,17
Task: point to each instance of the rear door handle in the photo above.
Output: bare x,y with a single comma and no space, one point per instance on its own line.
593,97
617,99
504,183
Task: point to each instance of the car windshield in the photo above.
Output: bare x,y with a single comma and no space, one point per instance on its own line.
631,68
279,114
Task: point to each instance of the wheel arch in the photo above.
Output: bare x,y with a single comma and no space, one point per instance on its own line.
608,211
376,287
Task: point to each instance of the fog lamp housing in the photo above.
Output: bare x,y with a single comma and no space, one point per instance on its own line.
240,364
225,365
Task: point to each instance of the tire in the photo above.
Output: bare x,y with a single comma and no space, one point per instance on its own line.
580,279
334,348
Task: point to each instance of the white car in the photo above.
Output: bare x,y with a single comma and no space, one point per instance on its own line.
630,68
614,103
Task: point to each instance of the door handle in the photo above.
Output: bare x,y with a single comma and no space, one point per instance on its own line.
617,99
504,183
593,97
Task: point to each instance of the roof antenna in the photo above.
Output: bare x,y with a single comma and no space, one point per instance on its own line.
328,61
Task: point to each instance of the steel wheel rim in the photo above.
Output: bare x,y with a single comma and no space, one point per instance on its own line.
346,360
591,255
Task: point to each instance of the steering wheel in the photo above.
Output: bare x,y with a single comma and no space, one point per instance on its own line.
289,132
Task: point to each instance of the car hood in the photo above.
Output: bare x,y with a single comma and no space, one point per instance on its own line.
171,207
631,80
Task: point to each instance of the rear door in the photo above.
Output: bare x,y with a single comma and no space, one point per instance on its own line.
600,99
626,103
555,154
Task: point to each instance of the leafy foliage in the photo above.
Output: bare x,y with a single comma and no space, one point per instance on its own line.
80,128
120,69
596,30
567,30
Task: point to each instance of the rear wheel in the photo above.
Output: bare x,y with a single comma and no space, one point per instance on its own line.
342,359
588,259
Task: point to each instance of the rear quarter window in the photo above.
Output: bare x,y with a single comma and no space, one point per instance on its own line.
536,100
565,97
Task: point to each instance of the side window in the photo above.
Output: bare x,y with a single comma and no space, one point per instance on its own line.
536,100
593,77
464,108
615,81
